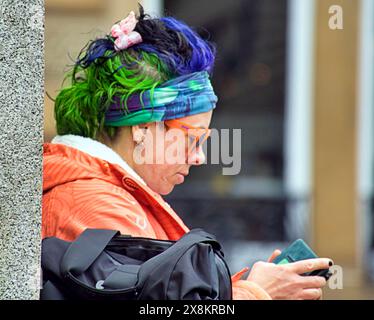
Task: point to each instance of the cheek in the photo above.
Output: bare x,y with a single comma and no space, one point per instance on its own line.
176,152
165,172
161,179
159,174
165,148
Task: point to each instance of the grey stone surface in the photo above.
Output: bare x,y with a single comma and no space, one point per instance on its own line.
21,134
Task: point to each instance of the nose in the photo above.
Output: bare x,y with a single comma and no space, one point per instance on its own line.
196,157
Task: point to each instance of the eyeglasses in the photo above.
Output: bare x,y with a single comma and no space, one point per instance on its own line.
197,136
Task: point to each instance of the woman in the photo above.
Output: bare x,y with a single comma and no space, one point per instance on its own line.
104,169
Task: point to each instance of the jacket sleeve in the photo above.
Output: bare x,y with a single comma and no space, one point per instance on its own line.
247,290
71,208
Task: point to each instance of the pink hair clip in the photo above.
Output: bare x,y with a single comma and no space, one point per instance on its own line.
125,34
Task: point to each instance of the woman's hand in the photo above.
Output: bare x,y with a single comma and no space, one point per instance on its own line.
285,281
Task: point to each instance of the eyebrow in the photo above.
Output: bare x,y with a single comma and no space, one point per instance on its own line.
194,127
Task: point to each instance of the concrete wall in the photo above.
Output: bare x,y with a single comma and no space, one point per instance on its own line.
21,137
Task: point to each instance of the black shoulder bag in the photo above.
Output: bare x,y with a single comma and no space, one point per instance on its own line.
102,264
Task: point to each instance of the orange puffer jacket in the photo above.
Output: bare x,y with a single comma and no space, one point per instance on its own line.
87,185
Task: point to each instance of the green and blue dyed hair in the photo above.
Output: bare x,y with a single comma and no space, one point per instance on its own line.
169,49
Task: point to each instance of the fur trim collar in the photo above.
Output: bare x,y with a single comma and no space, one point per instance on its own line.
95,149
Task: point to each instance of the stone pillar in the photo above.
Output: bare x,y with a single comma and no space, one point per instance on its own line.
21,137
335,218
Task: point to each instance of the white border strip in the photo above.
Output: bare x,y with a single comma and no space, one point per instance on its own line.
153,7
366,100
365,125
299,98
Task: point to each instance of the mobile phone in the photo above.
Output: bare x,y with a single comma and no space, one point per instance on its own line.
297,251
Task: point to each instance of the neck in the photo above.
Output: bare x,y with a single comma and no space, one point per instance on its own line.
122,145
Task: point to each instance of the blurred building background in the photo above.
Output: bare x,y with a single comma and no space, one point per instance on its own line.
301,92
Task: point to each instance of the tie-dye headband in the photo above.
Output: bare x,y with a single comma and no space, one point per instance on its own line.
176,98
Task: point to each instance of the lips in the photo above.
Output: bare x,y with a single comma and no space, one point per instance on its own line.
180,178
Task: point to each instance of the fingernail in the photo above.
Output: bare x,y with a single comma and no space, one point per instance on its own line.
239,274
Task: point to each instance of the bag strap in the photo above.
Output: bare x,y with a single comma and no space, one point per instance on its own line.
84,251
196,236
173,253
92,242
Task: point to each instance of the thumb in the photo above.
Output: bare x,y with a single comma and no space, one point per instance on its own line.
275,254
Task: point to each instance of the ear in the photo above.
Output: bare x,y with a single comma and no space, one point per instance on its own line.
138,132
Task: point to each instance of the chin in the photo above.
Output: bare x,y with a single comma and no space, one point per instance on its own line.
166,191
162,190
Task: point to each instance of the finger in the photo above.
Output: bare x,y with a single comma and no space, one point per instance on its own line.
237,276
275,254
311,294
310,265
321,297
313,281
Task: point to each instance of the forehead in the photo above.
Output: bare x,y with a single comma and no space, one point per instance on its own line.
198,120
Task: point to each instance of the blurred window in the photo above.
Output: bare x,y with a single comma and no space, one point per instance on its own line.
249,79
